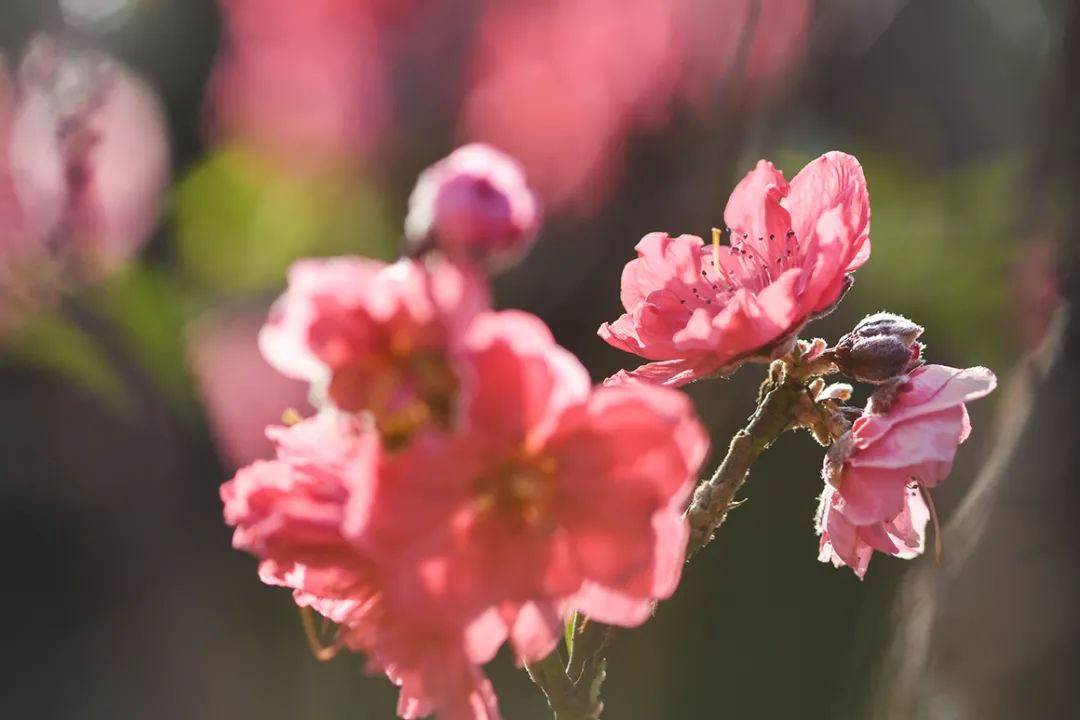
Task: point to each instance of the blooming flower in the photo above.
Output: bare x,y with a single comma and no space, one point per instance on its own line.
699,310
551,496
291,511
873,475
474,205
381,338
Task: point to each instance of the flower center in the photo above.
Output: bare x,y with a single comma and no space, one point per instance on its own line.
749,263
519,491
402,391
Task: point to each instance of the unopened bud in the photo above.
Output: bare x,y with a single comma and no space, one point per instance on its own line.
881,347
473,205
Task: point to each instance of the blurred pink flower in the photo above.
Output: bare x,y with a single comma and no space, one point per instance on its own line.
240,391
290,513
89,154
474,205
902,443
563,85
378,337
551,496
302,82
559,84
17,240
702,310
743,44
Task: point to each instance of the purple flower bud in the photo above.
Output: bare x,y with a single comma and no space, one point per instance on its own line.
473,205
882,346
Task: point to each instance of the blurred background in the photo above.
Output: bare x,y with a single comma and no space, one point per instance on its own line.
163,161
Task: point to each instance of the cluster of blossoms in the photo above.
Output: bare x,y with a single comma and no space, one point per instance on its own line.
697,310
463,485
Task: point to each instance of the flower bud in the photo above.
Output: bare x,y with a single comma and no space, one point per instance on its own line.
881,347
473,205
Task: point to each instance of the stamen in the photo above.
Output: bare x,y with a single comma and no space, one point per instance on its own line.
320,651
716,258
716,247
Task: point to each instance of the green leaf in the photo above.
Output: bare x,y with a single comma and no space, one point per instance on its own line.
56,344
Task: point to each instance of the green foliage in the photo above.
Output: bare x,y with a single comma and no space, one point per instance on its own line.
240,220
145,307
57,344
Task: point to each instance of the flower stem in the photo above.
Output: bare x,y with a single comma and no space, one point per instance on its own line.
716,496
567,699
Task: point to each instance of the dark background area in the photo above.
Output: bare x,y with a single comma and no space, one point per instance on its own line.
123,597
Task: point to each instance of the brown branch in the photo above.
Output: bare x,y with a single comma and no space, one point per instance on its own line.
716,496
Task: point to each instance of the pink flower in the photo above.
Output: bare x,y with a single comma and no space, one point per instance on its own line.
891,453
844,543
435,665
382,338
551,496
89,154
474,205
302,82
700,310
291,512
554,84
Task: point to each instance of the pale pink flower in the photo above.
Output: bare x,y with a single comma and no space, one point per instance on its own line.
290,512
381,338
474,205
89,153
891,454
701,310
844,543
552,496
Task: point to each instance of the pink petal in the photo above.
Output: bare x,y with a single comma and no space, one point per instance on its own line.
663,261
755,209
871,495
834,180
528,380
932,437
